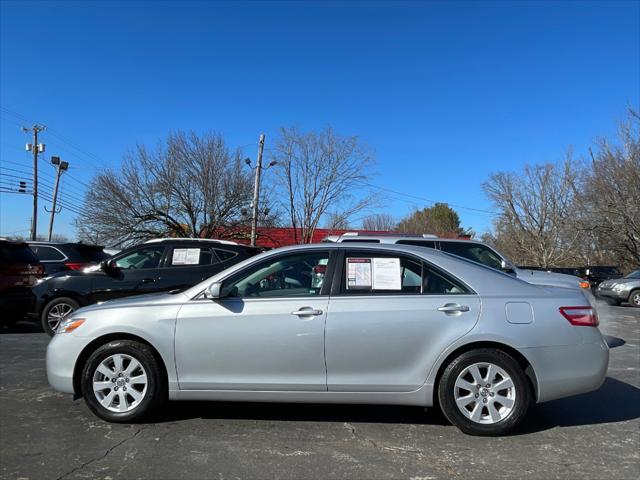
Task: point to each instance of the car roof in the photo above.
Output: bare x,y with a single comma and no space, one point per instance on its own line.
189,239
353,237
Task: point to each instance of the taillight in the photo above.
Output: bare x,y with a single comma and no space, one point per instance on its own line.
580,316
76,266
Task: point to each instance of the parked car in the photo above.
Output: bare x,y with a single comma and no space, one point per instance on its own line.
19,271
626,289
594,274
60,256
338,323
112,251
156,266
575,271
475,251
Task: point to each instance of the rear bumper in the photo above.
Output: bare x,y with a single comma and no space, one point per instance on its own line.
567,370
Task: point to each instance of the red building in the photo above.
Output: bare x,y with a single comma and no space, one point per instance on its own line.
274,237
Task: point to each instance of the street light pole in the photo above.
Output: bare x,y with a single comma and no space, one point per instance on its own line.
60,167
256,191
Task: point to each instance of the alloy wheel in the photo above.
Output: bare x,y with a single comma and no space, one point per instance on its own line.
120,383
485,393
635,298
57,313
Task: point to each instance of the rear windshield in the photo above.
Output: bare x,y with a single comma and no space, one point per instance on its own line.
89,253
605,270
20,253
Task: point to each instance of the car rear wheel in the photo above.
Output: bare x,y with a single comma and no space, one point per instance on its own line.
55,311
634,298
123,382
484,392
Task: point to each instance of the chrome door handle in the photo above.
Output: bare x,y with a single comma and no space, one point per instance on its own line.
307,311
148,280
453,308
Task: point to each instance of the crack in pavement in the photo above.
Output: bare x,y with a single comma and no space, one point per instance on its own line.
434,462
106,453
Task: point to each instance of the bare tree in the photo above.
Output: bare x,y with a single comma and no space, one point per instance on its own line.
381,222
191,186
321,172
537,212
336,221
611,198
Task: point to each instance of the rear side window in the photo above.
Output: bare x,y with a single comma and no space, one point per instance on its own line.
225,255
91,254
20,253
473,251
191,256
418,243
390,274
47,254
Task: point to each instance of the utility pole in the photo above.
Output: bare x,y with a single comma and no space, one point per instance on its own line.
256,191
60,168
36,148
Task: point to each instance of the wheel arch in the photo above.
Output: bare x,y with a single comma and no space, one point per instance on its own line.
98,342
526,366
56,294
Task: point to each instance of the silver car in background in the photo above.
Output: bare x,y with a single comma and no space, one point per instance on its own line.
618,290
338,323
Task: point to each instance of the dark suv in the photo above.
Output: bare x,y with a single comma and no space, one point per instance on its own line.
19,271
595,274
158,265
58,256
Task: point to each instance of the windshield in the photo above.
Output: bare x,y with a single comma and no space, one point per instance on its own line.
634,274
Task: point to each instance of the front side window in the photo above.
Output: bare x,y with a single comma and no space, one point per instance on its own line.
146,257
473,251
296,275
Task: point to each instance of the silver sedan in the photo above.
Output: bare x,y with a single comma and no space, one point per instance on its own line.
338,323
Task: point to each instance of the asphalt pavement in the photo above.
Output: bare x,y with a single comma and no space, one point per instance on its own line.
45,434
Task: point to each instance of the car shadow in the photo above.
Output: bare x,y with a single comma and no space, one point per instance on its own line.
614,342
615,401
22,326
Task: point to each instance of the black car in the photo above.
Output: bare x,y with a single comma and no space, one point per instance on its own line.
595,274
19,271
155,266
60,256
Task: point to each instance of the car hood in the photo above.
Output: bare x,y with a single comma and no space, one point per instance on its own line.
150,299
538,277
619,281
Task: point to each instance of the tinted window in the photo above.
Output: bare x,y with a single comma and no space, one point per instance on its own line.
47,254
473,251
16,253
295,275
190,256
146,257
91,254
419,243
225,255
634,274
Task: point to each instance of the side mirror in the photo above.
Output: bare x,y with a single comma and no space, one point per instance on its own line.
506,266
109,266
214,291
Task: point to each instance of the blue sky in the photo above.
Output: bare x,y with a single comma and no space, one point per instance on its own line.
444,92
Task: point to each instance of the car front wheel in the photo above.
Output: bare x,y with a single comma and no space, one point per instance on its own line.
484,392
123,382
55,311
634,298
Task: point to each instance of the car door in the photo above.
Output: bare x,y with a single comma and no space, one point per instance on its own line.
266,332
386,326
138,272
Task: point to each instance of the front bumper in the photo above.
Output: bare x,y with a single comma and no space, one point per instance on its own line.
62,354
563,371
621,295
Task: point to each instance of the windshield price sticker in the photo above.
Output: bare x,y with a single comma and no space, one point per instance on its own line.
359,273
186,256
374,274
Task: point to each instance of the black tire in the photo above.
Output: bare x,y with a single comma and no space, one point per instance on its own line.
60,303
155,393
634,298
447,391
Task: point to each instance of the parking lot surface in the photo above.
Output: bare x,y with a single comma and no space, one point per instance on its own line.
45,434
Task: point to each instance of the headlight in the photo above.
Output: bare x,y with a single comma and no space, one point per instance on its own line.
70,324
618,287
